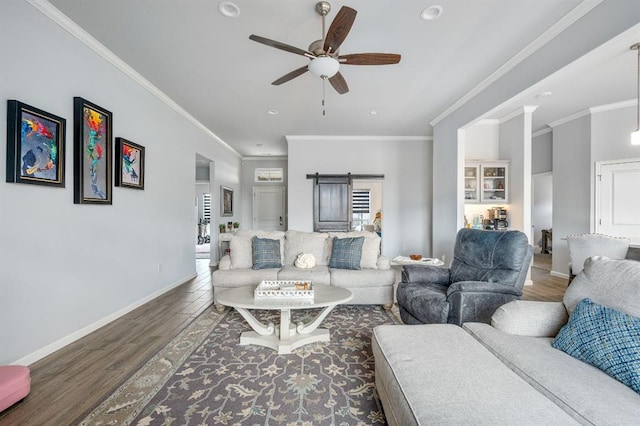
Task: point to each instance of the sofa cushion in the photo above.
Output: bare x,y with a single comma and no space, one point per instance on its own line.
241,249
612,283
583,391
530,318
316,243
346,253
246,277
437,374
605,338
370,247
266,253
317,275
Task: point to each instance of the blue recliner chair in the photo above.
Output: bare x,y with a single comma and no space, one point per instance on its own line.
488,270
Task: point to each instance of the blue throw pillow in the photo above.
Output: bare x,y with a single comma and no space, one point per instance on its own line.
265,253
605,338
346,253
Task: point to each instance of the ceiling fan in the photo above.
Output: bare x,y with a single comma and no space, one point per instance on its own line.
325,59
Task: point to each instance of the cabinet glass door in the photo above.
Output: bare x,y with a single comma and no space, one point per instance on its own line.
494,183
471,181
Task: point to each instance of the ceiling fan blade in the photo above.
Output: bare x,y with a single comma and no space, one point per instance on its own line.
338,82
339,29
369,59
290,76
281,46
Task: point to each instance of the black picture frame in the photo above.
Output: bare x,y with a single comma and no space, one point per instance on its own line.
35,145
130,159
92,153
226,201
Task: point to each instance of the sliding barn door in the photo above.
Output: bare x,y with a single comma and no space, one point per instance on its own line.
332,203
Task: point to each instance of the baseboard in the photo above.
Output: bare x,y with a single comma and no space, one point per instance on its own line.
528,282
558,274
59,344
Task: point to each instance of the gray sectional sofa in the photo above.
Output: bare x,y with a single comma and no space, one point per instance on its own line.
372,284
508,372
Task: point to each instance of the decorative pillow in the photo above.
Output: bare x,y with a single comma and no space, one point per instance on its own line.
305,261
370,247
265,253
605,338
241,246
346,253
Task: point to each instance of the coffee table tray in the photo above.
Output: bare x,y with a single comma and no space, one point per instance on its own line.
284,289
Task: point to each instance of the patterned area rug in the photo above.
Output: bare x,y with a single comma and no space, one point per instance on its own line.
204,377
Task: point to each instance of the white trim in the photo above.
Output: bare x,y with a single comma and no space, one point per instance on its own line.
517,112
542,132
569,118
558,274
631,103
359,138
76,335
562,24
263,158
75,30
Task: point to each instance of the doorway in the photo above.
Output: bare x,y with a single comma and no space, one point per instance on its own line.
541,219
203,211
268,208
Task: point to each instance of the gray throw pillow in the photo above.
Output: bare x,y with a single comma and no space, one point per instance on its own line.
346,253
265,253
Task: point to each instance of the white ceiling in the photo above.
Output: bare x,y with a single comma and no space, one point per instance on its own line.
206,63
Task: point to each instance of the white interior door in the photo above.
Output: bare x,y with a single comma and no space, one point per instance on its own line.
268,208
618,205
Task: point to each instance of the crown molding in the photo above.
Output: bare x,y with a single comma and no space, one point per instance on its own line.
88,40
265,158
568,118
333,138
541,132
562,24
610,107
517,112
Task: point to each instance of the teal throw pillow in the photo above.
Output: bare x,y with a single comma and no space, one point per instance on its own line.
605,338
265,253
346,253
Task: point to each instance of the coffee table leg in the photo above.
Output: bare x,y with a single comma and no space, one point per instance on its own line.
258,327
311,326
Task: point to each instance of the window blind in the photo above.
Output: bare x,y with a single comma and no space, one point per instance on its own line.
360,200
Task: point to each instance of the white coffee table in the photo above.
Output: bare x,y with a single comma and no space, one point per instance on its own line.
287,336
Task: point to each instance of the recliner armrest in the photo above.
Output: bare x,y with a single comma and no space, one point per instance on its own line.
530,318
225,263
426,274
383,263
483,287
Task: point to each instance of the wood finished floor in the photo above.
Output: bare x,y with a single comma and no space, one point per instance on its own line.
69,382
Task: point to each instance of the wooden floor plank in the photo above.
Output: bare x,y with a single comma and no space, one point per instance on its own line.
69,382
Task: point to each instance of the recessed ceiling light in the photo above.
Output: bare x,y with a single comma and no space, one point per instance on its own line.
272,111
374,112
431,13
228,9
259,144
544,95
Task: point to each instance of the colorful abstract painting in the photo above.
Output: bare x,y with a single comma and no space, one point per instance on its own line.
92,153
129,164
35,145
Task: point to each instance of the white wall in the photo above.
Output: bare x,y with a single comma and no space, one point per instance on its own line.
482,141
542,153
571,187
406,194
66,269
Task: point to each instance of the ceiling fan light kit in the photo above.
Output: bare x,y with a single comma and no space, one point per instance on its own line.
325,59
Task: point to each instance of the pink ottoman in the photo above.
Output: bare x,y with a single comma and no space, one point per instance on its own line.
15,384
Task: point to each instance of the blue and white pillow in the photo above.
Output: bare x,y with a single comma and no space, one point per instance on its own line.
265,253
346,253
605,338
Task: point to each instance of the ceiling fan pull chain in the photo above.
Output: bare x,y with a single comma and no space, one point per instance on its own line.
324,83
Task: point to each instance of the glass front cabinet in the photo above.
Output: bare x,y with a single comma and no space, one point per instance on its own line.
471,182
486,182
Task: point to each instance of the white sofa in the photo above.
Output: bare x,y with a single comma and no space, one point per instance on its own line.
372,284
508,373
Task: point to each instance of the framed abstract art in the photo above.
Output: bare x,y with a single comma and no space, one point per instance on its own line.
129,164
35,145
92,153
